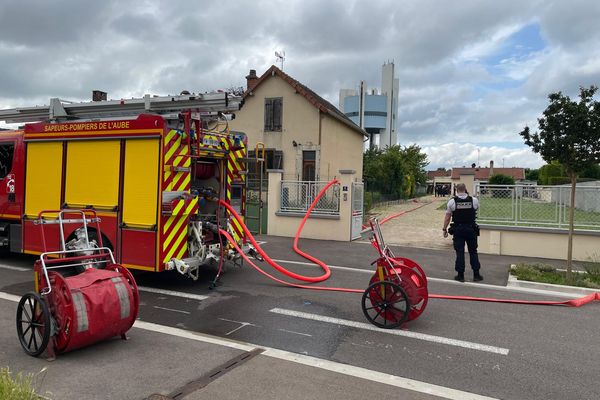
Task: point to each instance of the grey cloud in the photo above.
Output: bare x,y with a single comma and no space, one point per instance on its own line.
570,23
66,49
37,23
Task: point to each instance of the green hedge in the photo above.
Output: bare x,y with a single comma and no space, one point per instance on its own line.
559,180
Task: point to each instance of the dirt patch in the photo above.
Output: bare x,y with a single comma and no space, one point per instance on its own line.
419,228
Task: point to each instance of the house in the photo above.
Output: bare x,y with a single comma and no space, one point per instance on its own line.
437,179
474,176
305,137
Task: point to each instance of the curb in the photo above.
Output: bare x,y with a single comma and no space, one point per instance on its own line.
572,290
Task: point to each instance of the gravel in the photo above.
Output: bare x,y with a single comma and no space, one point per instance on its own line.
419,228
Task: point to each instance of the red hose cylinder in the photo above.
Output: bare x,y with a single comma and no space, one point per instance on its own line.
92,306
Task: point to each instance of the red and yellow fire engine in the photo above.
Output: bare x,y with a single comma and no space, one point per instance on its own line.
151,168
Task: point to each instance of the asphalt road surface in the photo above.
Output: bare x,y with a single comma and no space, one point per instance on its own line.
497,350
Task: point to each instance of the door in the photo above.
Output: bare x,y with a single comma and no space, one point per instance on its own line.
357,209
140,204
9,208
308,165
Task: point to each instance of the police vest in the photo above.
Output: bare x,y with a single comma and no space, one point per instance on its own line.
464,212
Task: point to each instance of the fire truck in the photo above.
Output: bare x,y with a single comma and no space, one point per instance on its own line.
152,168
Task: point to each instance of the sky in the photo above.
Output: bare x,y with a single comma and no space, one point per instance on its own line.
472,73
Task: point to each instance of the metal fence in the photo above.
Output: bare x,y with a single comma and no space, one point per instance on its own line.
544,206
297,196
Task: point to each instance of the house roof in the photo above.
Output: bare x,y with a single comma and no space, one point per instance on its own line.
484,173
437,174
313,98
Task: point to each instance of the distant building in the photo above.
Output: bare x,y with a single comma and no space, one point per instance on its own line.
374,111
474,176
437,179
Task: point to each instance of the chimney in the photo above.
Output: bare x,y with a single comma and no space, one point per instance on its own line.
491,167
98,95
251,79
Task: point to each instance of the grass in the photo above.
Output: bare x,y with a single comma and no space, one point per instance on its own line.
546,273
19,386
499,211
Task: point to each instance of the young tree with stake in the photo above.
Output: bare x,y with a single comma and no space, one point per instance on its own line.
569,132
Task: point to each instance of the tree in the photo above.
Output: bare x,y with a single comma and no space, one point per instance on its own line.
532,174
592,172
500,179
550,172
394,171
414,165
569,133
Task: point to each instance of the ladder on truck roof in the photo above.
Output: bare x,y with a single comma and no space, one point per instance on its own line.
206,104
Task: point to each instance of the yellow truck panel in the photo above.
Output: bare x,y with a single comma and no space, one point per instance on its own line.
92,176
140,186
43,177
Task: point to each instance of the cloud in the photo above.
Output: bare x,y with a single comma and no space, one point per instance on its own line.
470,72
465,154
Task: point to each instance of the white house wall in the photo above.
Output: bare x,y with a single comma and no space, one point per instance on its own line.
340,147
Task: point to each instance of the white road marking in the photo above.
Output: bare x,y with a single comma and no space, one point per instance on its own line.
396,332
242,324
295,333
15,268
9,297
445,281
344,369
173,293
172,309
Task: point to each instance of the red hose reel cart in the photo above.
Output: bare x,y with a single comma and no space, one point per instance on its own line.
397,292
82,296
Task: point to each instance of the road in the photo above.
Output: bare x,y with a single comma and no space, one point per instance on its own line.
496,350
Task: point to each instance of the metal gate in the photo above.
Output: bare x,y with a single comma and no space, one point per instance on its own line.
256,191
358,191
256,205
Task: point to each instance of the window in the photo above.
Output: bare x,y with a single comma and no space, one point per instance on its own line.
308,165
273,160
6,158
273,114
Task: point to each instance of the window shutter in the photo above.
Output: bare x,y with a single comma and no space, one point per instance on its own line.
277,111
268,114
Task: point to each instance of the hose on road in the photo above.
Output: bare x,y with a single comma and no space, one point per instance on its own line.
578,302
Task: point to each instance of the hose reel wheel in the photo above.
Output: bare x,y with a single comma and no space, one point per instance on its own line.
385,304
33,324
413,280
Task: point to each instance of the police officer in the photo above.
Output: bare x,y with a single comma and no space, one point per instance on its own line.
462,209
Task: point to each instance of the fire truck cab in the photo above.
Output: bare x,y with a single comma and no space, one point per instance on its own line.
154,170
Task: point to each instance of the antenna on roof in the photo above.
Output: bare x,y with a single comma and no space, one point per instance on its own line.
280,57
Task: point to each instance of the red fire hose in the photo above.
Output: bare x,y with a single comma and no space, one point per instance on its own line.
327,272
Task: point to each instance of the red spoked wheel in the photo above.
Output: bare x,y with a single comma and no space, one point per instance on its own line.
62,309
385,304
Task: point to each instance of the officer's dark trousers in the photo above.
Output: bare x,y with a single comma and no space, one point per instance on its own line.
465,234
